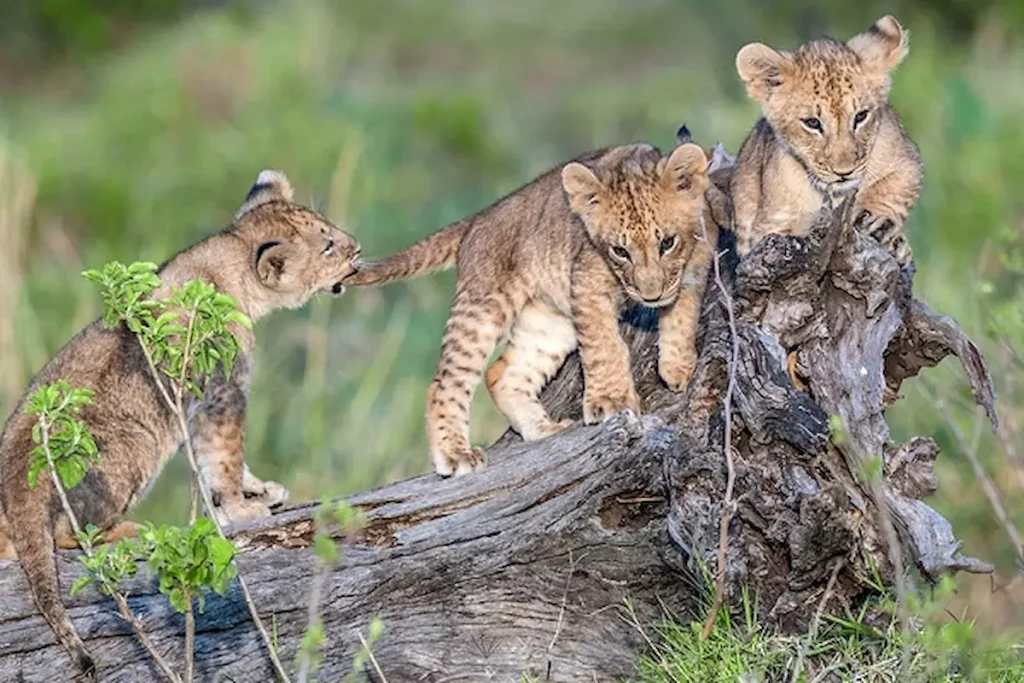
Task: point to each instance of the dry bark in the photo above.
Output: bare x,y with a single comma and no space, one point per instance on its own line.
556,559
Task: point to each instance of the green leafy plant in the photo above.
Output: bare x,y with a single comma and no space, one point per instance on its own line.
69,444
66,449
185,561
185,338
331,519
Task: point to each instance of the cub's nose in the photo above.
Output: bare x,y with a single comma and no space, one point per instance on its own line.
337,288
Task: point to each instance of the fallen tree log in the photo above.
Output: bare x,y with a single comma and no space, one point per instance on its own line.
555,561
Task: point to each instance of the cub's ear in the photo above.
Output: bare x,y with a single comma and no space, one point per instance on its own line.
273,261
685,170
581,186
270,186
762,69
883,46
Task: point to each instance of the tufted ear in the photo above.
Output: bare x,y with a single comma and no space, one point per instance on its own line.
273,260
270,186
581,186
883,46
762,69
685,170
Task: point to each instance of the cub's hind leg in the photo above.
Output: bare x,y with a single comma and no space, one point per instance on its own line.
541,339
475,325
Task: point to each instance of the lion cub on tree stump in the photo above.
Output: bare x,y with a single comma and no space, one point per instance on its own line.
276,254
827,133
550,267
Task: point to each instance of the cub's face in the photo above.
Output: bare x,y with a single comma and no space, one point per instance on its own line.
825,99
644,216
296,251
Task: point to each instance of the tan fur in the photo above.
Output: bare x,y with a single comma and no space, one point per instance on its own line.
550,267
275,254
786,170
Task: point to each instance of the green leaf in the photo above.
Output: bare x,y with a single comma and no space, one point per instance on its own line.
325,549
80,583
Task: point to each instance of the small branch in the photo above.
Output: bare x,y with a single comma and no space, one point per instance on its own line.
313,611
373,660
119,598
179,413
728,505
190,642
991,492
126,614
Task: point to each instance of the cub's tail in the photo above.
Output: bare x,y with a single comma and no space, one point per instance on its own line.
433,252
34,542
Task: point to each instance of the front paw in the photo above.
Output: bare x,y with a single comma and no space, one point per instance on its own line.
458,460
887,230
598,407
677,371
241,510
270,493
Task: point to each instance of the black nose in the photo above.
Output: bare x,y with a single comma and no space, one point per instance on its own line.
338,288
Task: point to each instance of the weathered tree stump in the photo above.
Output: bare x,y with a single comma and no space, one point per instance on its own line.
557,558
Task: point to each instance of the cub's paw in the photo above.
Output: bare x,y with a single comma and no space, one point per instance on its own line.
241,510
270,493
459,461
600,407
887,230
544,430
677,371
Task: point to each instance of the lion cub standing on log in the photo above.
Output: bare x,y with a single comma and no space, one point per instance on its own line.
276,254
550,266
827,132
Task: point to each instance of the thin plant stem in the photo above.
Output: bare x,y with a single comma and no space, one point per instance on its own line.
177,408
118,596
728,504
373,660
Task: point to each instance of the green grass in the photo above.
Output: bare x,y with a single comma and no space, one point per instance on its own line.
863,646
395,117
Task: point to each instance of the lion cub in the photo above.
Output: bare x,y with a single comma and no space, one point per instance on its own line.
549,267
275,254
827,133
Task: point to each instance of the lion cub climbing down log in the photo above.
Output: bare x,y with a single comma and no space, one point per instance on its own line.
827,133
276,254
550,267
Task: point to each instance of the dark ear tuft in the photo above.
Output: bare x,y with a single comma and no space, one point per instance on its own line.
883,46
683,135
270,186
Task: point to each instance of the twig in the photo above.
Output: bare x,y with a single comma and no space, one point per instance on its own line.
190,617
565,600
1008,426
313,611
179,413
373,660
991,492
728,505
119,598
190,641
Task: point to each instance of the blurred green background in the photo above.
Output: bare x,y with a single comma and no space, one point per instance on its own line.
128,130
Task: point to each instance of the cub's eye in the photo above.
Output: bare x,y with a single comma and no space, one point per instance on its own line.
329,249
860,117
621,253
812,124
668,244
